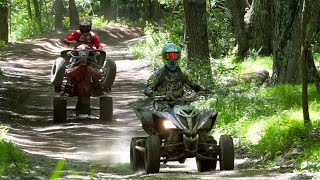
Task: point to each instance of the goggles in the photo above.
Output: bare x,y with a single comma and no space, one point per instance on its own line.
171,55
82,26
85,23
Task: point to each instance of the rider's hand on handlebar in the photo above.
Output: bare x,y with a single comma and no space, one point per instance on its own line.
72,43
172,95
167,95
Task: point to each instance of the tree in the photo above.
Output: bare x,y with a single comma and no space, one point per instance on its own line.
253,25
29,9
37,10
107,9
308,69
237,10
261,26
73,14
156,11
58,11
4,16
147,9
196,38
286,41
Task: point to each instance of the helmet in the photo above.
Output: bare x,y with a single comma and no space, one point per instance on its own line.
85,25
171,54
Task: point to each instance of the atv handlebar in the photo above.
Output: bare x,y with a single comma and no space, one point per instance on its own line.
171,97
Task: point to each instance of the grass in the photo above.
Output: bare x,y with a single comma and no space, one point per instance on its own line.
12,159
270,120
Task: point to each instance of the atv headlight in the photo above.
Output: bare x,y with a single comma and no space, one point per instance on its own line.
167,124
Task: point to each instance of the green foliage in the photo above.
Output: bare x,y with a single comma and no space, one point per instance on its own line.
98,21
280,133
151,47
256,63
220,32
2,43
28,28
269,119
12,159
22,26
57,172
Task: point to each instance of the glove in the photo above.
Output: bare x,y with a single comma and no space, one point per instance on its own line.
73,42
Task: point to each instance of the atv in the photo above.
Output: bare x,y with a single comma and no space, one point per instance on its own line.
179,134
82,72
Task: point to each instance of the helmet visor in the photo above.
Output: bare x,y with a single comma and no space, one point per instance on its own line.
171,55
85,23
85,28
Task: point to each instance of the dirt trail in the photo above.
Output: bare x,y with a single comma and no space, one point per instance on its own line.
26,107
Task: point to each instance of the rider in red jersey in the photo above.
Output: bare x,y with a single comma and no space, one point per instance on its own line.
84,35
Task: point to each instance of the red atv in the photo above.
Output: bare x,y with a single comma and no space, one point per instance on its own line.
83,72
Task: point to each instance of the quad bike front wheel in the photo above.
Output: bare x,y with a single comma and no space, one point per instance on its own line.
227,153
152,154
109,75
57,71
136,156
59,109
106,108
206,165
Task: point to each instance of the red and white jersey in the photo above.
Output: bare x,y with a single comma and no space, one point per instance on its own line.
91,40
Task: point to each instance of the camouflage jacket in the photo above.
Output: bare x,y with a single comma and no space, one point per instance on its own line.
163,81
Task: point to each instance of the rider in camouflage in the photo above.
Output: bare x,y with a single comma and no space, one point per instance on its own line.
169,80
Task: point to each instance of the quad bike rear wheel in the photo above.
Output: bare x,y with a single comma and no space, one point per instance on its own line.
206,165
136,156
152,154
106,108
109,75
59,109
57,71
227,153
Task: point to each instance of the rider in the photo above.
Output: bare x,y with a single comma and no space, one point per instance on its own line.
169,80
84,35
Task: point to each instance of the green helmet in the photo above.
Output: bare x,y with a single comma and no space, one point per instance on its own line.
171,54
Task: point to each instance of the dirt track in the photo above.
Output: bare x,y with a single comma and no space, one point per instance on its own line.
87,144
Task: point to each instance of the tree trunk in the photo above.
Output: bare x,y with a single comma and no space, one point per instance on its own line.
73,14
4,17
237,10
305,55
37,10
197,38
286,41
107,9
58,11
147,13
156,11
133,10
29,9
312,28
261,27
46,7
